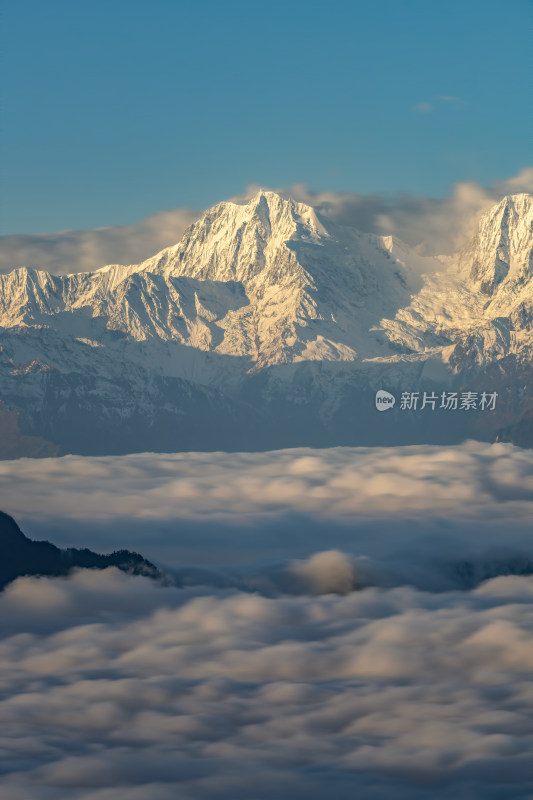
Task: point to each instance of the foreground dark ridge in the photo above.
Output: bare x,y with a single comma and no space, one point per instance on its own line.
22,556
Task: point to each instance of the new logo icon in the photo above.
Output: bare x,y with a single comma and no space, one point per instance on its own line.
384,400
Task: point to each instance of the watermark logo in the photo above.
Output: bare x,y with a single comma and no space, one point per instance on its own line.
433,401
448,401
384,400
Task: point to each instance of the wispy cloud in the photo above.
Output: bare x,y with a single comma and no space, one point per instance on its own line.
435,225
423,108
457,102
427,106
85,250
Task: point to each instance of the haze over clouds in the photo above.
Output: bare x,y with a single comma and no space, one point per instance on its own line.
436,225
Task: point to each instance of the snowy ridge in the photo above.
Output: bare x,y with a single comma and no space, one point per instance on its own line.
483,302
266,281
267,289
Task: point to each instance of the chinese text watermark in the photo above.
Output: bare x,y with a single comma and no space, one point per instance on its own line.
447,401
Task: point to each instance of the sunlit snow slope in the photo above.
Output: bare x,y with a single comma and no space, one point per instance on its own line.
266,326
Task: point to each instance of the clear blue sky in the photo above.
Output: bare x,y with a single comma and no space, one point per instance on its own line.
114,110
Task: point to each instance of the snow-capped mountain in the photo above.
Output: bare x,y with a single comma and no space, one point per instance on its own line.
266,282
266,326
483,302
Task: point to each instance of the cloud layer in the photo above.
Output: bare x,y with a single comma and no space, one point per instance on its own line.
372,639
115,688
400,514
86,250
470,481
436,226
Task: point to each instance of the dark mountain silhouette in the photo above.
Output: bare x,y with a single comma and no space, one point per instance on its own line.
22,556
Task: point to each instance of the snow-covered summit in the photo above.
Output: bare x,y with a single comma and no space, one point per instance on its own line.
481,307
264,300
268,280
239,242
501,250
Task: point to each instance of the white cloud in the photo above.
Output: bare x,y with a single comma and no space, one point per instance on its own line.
466,481
426,515
438,226
423,108
86,250
113,687
368,649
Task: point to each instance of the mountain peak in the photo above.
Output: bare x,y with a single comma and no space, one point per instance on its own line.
269,197
242,241
501,250
264,198
516,209
272,209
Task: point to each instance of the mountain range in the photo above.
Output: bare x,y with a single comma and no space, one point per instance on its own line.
268,326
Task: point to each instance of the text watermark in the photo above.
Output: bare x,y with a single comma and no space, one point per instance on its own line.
447,401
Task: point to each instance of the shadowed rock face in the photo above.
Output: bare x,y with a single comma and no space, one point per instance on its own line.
14,444
22,556
520,432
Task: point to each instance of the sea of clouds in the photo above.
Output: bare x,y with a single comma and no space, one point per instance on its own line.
340,623
113,687
227,508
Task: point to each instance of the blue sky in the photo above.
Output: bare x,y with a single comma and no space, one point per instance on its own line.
114,111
